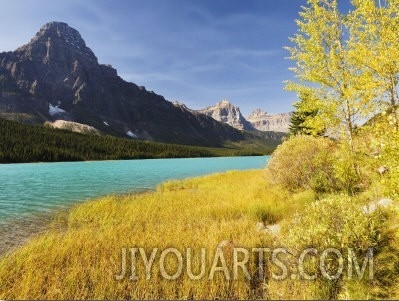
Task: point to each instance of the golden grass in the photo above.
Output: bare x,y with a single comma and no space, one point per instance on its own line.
80,258
80,255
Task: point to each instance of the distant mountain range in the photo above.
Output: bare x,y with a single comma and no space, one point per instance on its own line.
57,77
259,120
264,121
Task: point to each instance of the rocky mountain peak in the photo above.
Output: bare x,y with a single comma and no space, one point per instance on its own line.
59,29
258,113
57,39
227,113
225,103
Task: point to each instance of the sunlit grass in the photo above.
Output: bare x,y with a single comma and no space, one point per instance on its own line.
80,257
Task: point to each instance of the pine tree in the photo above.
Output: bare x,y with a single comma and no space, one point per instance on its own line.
302,120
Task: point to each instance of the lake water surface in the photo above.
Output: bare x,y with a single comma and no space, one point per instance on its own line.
27,190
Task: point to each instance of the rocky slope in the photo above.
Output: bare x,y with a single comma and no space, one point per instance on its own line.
72,126
264,121
56,76
227,113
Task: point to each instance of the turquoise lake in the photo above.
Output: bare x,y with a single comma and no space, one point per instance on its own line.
30,189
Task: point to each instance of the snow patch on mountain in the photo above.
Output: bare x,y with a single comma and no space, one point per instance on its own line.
55,110
131,134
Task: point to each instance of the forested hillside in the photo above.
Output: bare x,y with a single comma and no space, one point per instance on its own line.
26,143
20,143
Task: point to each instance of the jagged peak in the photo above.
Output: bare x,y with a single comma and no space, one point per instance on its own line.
60,32
55,25
225,112
258,112
59,29
224,102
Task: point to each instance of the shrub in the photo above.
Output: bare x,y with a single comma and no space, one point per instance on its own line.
351,170
385,139
304,162
340,222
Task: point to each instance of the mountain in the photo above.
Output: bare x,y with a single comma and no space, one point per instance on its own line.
264,121
229,114
258,120
56,76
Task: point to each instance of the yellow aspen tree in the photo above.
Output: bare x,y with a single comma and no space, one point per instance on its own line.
326,70
376,46
377,49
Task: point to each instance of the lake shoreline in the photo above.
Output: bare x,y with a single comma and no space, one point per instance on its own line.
17,232
103,225
80,255
33,188
36,194
137,159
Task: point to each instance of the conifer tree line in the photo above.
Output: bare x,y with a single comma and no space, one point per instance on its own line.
26,143
346,66
21,143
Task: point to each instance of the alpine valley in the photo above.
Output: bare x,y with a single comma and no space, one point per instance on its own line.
57,77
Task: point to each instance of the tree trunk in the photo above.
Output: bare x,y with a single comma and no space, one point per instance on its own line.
393,104
349,128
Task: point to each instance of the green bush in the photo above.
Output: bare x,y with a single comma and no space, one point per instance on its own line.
304,162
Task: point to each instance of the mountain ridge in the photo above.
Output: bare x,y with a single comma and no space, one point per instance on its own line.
263,121
56,76
259,120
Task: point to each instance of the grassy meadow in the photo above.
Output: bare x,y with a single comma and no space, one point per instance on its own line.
79,257
80,254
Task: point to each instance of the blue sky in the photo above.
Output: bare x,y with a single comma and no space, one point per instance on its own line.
193,51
